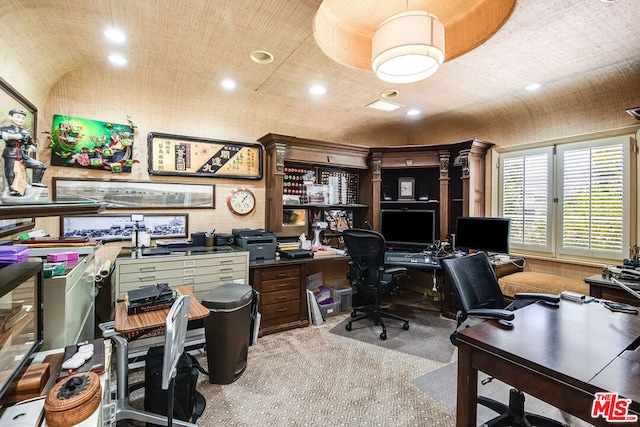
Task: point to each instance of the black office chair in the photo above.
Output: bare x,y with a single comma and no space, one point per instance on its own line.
369,275
480,299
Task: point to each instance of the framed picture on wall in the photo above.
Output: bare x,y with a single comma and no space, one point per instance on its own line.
130,194
209,158
406,188
121,226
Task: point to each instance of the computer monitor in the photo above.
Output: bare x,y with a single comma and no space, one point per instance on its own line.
482,234
408,229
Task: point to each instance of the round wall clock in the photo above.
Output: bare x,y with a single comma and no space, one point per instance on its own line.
241,201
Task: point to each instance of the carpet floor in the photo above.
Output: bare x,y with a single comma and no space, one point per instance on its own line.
310,377
428,334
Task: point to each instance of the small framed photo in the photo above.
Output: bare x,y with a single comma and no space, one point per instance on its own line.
406,188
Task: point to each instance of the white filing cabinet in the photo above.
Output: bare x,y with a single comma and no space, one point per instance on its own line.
68,305
203,271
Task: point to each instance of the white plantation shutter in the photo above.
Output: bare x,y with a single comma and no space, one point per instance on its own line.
594,198
591,182
526,182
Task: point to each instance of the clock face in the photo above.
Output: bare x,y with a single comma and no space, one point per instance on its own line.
241,201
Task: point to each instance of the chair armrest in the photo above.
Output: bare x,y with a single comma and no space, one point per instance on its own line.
395,270
554,299
491,313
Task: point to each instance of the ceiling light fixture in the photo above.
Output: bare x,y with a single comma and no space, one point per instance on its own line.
384,105
115,35
532,87
413,112
261,56
117,59
408,47
317,90
228,84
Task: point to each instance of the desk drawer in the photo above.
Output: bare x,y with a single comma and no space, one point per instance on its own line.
279,273
280,297
281,285
274,311
180,262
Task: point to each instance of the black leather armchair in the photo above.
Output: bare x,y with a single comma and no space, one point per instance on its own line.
481,298
369,275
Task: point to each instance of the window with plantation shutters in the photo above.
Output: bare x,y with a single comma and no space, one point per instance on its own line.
594,198
591,183
526,197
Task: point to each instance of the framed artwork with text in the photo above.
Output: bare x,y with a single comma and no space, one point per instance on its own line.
211,158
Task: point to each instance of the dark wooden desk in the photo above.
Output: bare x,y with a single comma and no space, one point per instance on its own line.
601,287
561,355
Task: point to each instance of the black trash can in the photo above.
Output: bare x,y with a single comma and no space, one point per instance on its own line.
227,331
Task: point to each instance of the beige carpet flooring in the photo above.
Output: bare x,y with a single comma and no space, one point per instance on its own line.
310,377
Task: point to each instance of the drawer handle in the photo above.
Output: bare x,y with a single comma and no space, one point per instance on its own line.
189,272
226,270
281,298
147,269
282,275
226,277
282,310
147,278
226,261
189,281
191,263
282,285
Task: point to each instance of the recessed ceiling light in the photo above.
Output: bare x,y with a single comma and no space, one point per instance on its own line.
261,56
384,105
389,93
317,90
413,112
115,35
117,59
533,86
228,84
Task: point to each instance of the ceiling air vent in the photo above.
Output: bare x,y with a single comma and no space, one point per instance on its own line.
635,112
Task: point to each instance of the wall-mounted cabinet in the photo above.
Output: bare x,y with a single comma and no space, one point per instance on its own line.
446,178
309,180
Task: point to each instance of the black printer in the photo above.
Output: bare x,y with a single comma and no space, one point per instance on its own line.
260,244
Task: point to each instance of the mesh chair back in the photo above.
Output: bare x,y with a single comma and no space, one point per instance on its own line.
366,248
474,281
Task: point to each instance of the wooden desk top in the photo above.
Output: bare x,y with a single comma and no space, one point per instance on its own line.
581,344
154,319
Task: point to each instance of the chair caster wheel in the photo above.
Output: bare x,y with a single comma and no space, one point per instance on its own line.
347,326
405,326
383,336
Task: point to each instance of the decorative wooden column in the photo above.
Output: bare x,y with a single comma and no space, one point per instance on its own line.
444,156
376,182
274,184
476,170
463,161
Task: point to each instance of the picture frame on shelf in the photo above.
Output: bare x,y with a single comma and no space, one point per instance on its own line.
203,157
406,188
121,226
13,226
130,194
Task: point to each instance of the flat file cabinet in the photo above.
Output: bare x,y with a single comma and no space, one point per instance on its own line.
203,271
69,305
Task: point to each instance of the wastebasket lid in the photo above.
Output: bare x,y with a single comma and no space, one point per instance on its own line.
228,295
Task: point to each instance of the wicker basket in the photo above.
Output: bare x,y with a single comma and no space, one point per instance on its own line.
72,400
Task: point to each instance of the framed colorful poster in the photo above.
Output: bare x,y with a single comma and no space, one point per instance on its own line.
91,144
211,158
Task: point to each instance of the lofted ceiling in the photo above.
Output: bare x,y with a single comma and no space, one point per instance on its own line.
584,53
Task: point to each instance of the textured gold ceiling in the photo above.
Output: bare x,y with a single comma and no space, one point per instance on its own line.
343,29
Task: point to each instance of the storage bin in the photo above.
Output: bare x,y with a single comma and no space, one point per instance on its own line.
343,295
13,254
330,309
